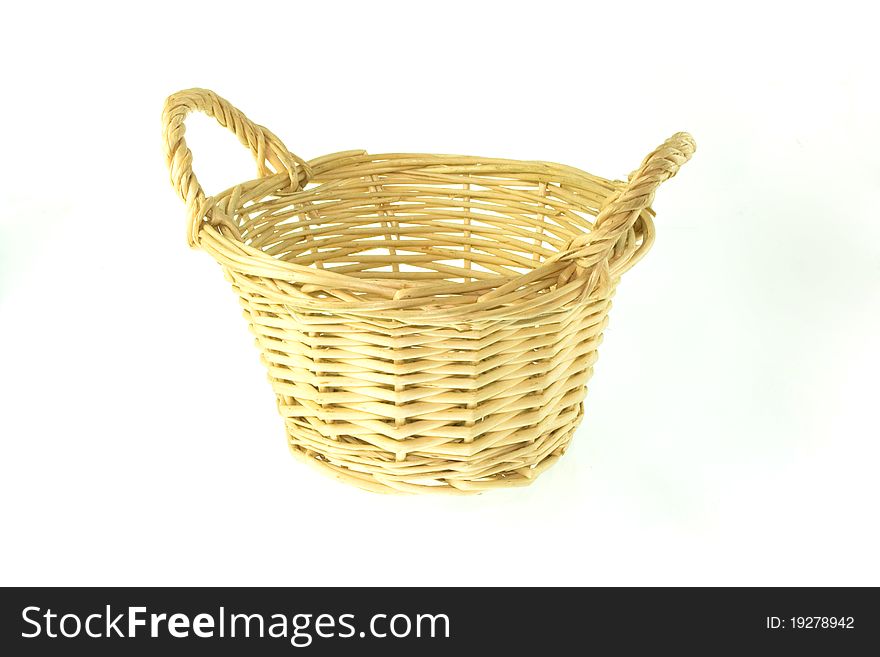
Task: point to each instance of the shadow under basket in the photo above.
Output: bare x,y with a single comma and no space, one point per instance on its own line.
429,322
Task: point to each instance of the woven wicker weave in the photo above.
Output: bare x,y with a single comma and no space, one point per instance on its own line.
429,322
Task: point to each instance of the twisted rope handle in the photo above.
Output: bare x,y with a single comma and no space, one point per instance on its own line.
623,210
270,153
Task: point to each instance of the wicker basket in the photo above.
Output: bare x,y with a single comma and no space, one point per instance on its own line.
429,322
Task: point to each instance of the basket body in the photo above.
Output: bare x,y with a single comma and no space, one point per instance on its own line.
418,399
429,323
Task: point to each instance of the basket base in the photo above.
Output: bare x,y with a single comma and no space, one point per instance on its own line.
507,474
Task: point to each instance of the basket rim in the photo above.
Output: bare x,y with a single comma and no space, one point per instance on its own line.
231,251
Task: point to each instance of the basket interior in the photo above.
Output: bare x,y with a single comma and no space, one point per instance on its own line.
425,219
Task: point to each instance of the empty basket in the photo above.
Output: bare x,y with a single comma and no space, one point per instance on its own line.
429,322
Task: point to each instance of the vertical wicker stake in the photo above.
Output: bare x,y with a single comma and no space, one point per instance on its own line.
429,322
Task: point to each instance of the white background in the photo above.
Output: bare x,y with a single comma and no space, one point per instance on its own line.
731,428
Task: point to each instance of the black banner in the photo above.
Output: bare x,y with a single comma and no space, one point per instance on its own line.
114,621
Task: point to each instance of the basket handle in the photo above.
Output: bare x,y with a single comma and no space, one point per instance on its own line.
270,153
623,210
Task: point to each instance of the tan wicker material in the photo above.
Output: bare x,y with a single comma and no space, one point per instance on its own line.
429,322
